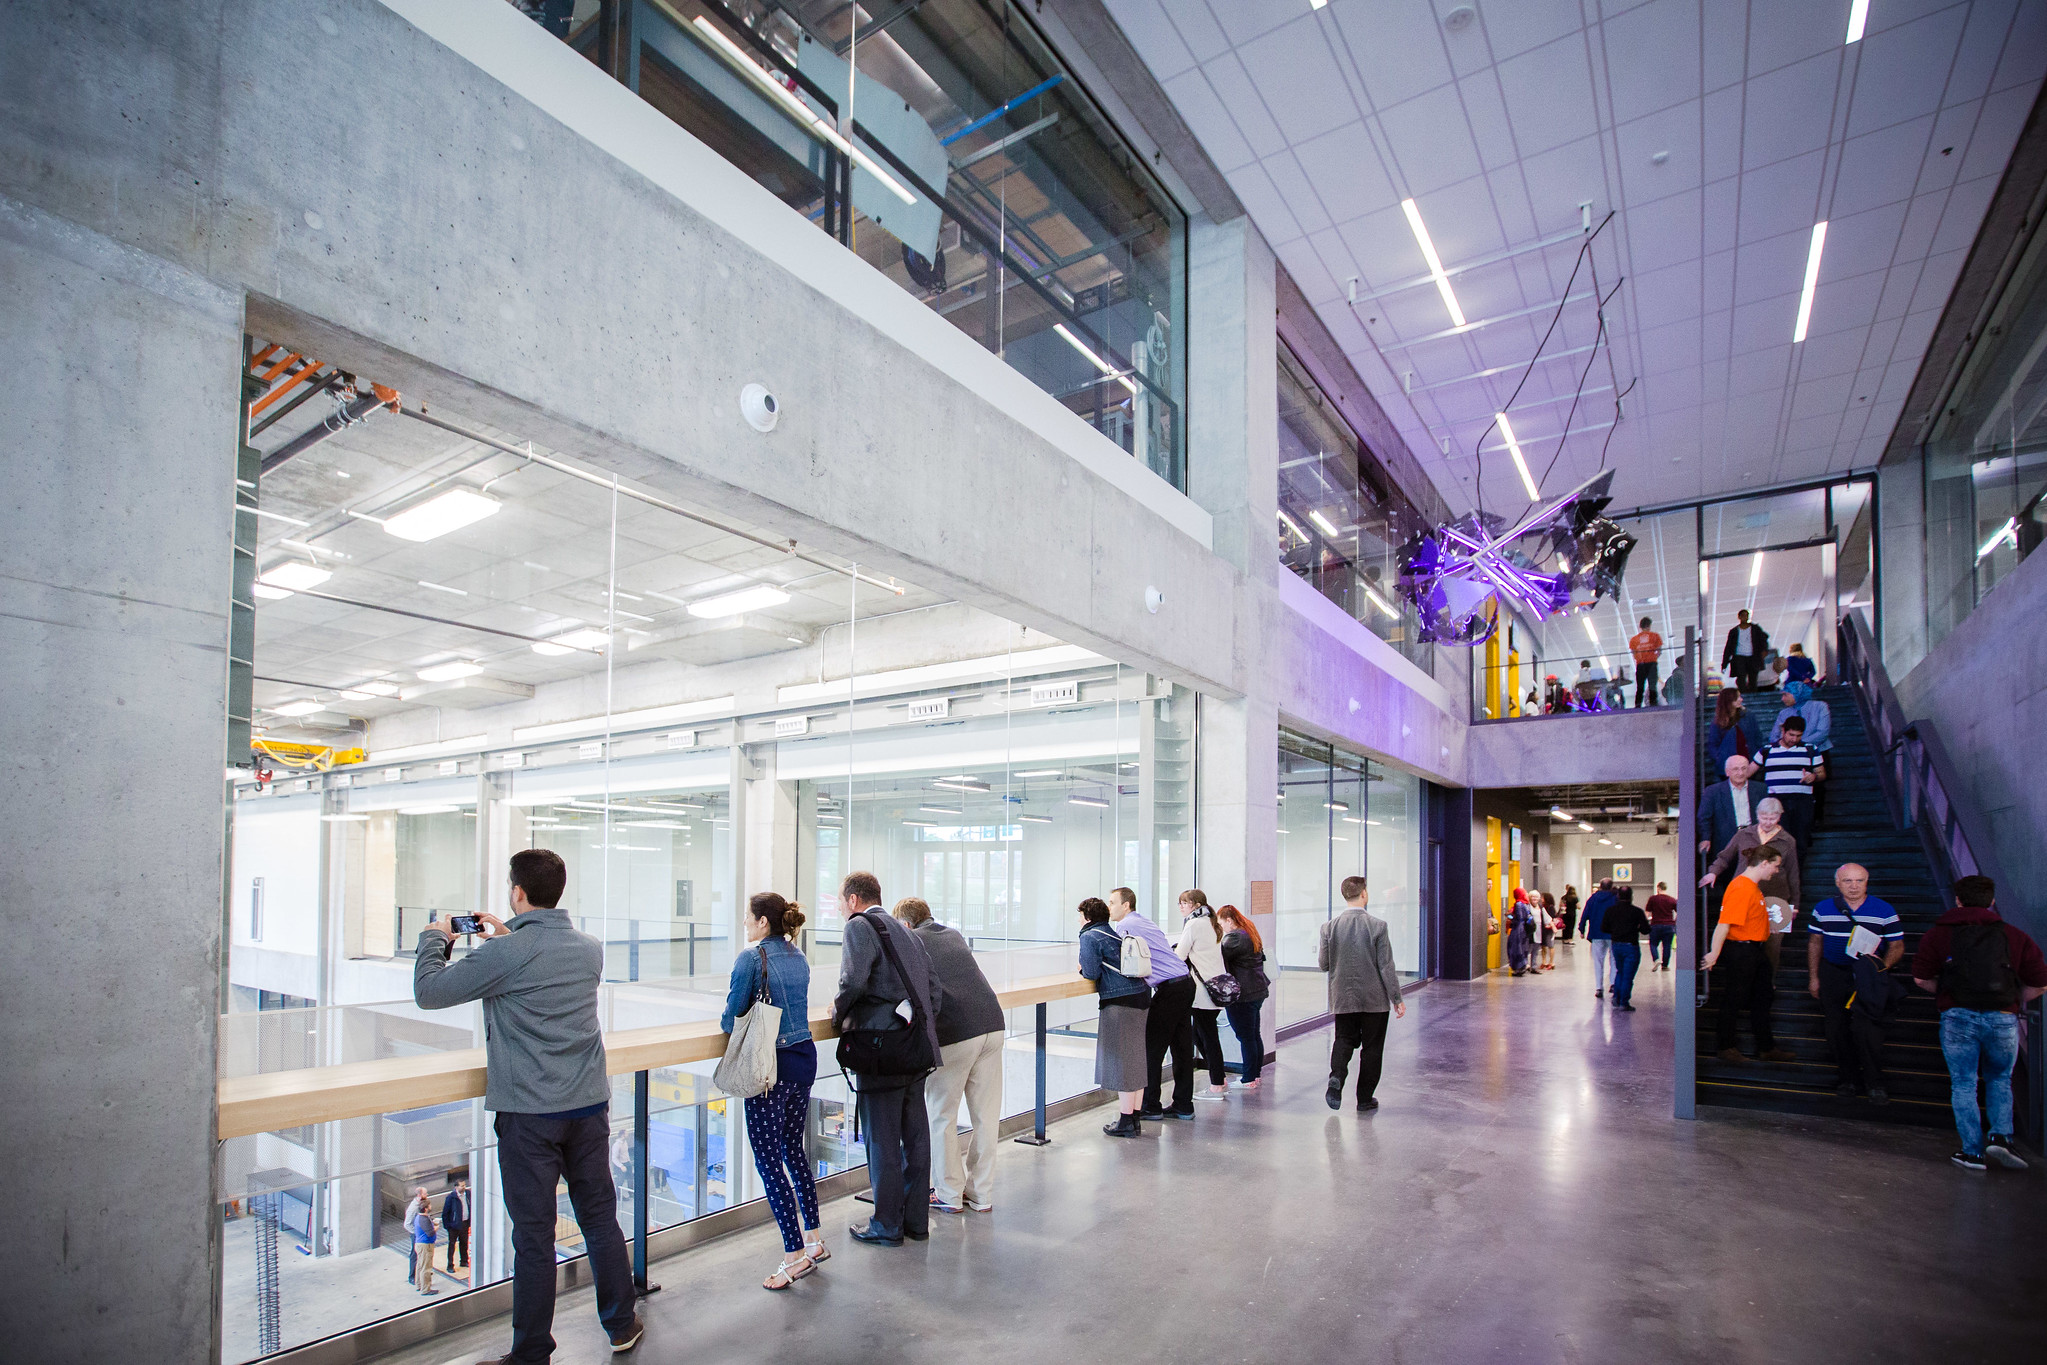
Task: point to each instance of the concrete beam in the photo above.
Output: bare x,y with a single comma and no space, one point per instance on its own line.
1541,751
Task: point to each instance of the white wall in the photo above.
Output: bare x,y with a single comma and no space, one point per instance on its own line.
279,841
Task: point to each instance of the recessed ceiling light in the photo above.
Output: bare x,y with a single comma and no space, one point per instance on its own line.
1520,465
299,708
285,579
1323,523
1095,801
1035,819
1858,19
1104,366
940,810
1592,631
961,784
1755,569
1436,272
437,516
442,587
448,672
1812,280
745,599
570,642
375,689
1587,828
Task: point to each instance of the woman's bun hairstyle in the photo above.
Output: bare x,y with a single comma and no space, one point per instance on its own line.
784,917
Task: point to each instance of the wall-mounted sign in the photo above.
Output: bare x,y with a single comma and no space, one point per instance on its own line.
682,739
932,708
450,766
590,751
514,759
786,726
1054,693
394,774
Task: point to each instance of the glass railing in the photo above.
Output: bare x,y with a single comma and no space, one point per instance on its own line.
1506,685
314,1241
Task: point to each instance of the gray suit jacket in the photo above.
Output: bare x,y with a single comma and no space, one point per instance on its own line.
870,990
1357,953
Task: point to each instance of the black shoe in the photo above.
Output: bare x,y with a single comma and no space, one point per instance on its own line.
1879,1095
1125,1126
1969,1161
1187,1114
916,1236
1629,1008
873,1236
1845,1089
1335,1095
1153,1114
1599,995
1367,1106
1998,1149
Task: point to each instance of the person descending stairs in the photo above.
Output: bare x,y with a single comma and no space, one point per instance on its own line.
1856,828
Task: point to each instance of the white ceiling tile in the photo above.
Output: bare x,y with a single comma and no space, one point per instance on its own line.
1762,325
1206,118
1668,295
1780,34
1296,72
2024,47
1383,247
1944,157
1244,20
1720,115
1671,348
1997,132
1294,186
1780,198
1899,283
1515,28
1719,206
1344,167
1145,24
1922,220
1241,96
1723,46
1966,205
1789,110
1491,129
1862,241
1304,261
1833,353
1901,73
1549,96
1664,232
1652,57
1769,268
1198,29
1847,303
1469,51
1673,133
1561,179
1266,205
1751,372
1982,44
1397,47
1431,141
1937,275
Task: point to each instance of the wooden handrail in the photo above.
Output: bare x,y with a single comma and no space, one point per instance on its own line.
273,1100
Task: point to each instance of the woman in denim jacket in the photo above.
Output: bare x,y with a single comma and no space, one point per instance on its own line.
775,1121
1125,1006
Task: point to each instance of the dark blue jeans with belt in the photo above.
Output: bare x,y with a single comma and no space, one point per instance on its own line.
1627,960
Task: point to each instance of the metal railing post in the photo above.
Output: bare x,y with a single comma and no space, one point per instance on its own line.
1036,1137
640,1184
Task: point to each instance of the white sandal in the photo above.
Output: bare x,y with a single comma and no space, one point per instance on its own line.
816,1253
789,1272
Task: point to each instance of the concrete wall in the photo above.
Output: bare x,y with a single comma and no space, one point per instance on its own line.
1541,751
115,539
1985,688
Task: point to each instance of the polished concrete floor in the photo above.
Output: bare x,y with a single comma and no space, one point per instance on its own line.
1523,1195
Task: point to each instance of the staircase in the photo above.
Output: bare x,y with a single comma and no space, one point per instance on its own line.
1857,828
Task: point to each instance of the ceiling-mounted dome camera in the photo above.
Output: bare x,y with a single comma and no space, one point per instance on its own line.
759,407
1153,600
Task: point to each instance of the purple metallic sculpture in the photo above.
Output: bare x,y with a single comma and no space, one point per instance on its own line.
1456,574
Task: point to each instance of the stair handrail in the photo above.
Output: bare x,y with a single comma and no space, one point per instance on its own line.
1920,784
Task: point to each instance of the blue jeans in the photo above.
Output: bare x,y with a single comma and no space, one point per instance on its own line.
1661,937
1985,1040
1627,960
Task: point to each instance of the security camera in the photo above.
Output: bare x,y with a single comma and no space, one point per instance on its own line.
1153,599
759,407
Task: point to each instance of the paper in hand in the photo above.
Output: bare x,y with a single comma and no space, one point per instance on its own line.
1863,941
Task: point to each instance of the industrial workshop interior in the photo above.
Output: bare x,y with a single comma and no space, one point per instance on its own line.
1021,680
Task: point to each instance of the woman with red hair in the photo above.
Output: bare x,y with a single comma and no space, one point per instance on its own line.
1520,926
1244,958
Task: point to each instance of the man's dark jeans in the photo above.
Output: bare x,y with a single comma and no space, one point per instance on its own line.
1645,681
1856,1041
1741,978
897,1135
533,1154
1627,960
458,1240
1365,1034
1169,1027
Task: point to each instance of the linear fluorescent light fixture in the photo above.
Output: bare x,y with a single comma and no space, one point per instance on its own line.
1705,577
437,516
1323,524
798,110
961,784
2010,530
1382,604
587,639
1557,813
1587,828
1858,18
921,824
1292,525
1336,805
1812,281
940,810
1520,465
1592,631
299,708
1755,569
1421,237
288,578
1040,772
1035,819
733,603
1095,801
449,672
1104,366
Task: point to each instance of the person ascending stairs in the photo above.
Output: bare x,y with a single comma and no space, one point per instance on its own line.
1740,959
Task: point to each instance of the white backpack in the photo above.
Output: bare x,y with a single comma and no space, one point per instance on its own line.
1136,958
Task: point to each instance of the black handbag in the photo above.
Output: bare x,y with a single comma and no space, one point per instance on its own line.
903,1054
1224,990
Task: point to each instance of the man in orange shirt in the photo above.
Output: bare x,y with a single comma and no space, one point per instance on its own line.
1647,647
1740,959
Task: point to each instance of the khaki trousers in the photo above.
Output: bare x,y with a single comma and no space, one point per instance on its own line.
972,1067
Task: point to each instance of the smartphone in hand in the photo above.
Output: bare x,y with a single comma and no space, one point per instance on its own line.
466,924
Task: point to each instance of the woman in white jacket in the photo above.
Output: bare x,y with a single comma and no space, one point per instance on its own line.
1200,947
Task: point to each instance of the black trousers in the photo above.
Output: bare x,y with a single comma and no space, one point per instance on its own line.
1742,979
1856,1041
1645,681
1208,1045
1745,670
1365,1034
458,1239
1170,1028
897,1135
1798,816
1570,919
534,1154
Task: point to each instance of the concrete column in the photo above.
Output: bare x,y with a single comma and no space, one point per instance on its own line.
115,544
1238,819
1901,563
1233,393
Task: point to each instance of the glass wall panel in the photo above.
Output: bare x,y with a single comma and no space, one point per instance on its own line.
1301,903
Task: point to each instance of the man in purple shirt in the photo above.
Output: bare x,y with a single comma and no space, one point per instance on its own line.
1170,1025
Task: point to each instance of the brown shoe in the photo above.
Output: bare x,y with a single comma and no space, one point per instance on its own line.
1778,1054
1731,1055
630,1337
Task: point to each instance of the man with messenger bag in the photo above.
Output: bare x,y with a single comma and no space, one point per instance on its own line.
887,1015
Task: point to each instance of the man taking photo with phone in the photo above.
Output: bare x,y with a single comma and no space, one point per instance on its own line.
537,977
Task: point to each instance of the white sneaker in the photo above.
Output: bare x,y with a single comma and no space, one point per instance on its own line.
1211,1093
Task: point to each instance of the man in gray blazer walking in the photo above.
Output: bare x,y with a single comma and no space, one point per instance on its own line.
1363,985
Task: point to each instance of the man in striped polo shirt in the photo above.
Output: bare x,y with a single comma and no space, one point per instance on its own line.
1856,1036
1789,770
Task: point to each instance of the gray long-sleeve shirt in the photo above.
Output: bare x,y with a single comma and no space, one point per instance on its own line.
1357,952
968,1006
538,985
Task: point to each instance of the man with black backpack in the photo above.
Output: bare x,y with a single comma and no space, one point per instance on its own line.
1982,971
887,1015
